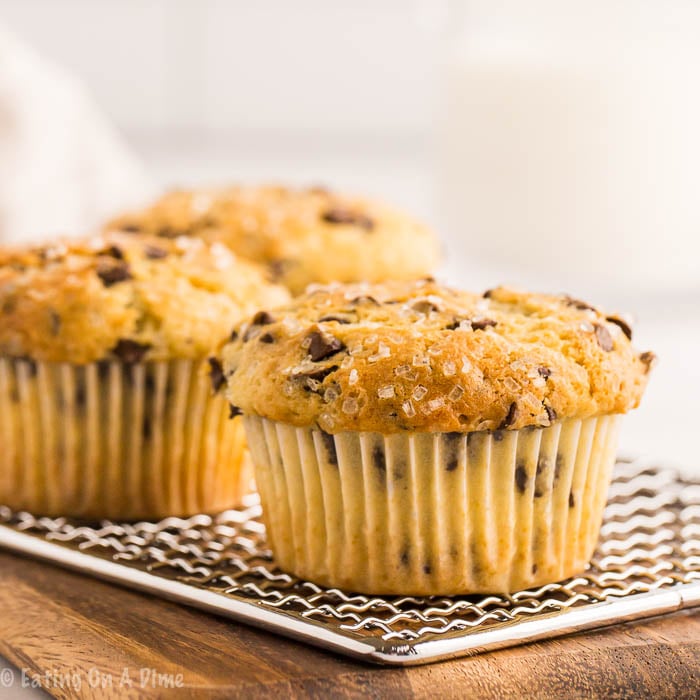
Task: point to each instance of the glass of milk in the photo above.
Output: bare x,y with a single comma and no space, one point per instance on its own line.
569,144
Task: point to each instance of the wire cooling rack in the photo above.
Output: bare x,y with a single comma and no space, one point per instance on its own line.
647,563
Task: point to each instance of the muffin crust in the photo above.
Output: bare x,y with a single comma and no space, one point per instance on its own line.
120,296
301,235
418,356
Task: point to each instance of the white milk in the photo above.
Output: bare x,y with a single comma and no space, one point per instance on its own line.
570,149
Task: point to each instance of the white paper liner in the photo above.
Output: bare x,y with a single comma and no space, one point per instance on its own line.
110,440
434,513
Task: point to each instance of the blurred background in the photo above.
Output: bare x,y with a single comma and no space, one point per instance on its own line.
553,145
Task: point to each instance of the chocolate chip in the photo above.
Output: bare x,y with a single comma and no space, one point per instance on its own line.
337,319
624,326
534,569
113,252
603,337
544,372
130,228
572,502
216,374
234,411
277,269
578,304
169,232
649,359
319,374
323,346
488,293
379,458
154,253
329,443
130,351
54,322
521,478
510,416
111,273
8,306
340,215
558,465
452,442
267,338
454,325
262,318
427,569
424,306
551,413
480,324
233,336
498,435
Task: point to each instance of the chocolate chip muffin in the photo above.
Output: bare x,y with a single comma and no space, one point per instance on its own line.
107,404
302,236
413,439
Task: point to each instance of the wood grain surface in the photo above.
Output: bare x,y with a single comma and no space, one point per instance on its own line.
113,640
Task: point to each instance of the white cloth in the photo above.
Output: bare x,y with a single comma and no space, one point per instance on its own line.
63,168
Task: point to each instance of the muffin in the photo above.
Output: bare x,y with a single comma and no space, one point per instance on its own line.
105,382
302,236
417,440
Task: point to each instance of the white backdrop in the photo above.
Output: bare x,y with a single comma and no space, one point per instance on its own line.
342,94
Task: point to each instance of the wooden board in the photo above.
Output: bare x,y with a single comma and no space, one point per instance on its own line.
60,622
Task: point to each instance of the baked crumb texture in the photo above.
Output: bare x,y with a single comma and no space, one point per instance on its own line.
418,356
300,235
125,297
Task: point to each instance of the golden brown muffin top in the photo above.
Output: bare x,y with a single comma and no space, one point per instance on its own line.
127,297
301,235
420,356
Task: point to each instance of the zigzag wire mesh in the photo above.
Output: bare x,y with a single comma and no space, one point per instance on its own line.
650,541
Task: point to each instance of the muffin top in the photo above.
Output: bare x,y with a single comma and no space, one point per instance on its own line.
422,357
125,297
302,236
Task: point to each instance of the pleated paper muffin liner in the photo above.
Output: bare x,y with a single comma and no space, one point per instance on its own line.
434,513
115,440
